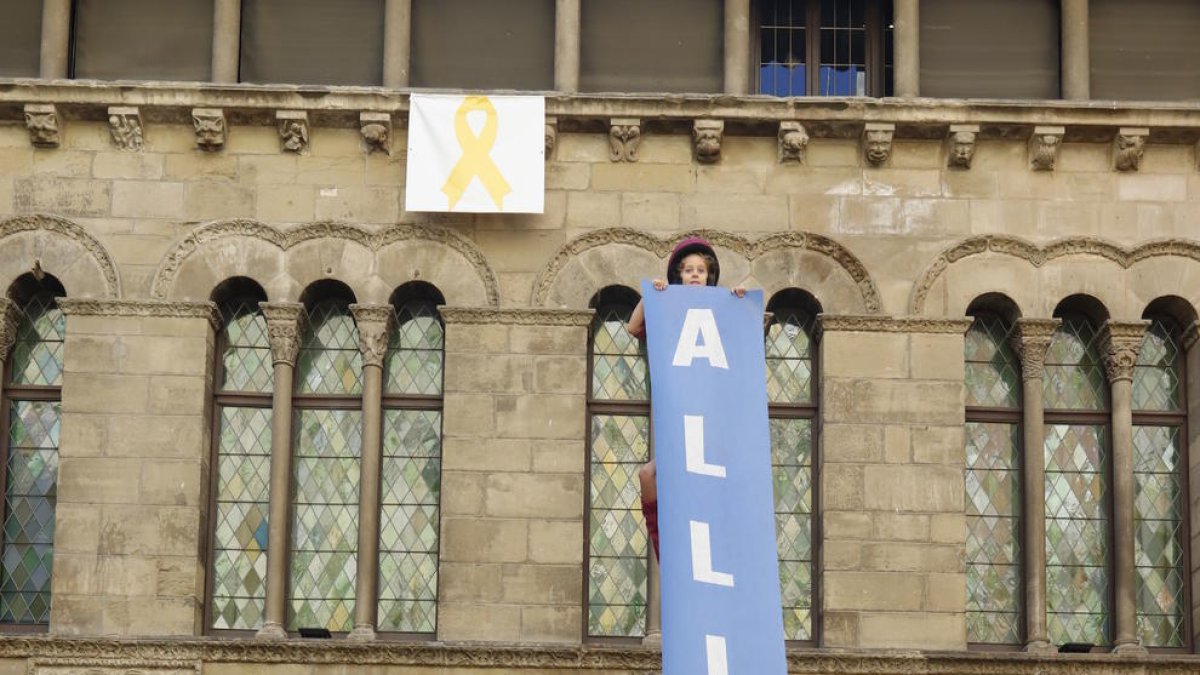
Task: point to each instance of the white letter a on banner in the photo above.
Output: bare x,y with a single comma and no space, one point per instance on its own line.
697,323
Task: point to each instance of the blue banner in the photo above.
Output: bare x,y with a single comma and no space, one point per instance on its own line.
721,611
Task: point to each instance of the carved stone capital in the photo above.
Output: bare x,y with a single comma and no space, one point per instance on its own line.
285,329
210,128
1043,147
125,125
961,145
1030,341
374,323
877,143
706,138
1122,340
41,119
624,137
9,324
793,142
1129,147
293,130
551,136
376,130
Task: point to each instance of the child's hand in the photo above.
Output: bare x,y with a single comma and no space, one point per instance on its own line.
660,284
739,291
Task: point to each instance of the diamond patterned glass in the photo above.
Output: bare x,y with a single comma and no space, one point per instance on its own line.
330,361
1074,376
618,359
1077,526
993,497
247,364
243,503
408,528
791,468
993,372
618,545
30,495
414,358
1156,374
789,357
37,354
325,519
1158,534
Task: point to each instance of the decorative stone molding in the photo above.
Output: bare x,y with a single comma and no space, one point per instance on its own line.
41,119
1129,147
142,308
293,130
125,125
877,143
285,329
961,142
516,316
126,666
374,323
551,136
624,137
69,230
1030,341
376,130
793,143
706,138
210,128
1043,147
10,321
873,323
1122,340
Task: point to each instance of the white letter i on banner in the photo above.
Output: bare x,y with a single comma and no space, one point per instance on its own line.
714,645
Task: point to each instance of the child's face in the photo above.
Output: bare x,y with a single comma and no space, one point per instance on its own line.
693,270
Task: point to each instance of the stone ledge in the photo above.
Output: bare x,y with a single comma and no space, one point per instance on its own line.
865,323
147,308
516,316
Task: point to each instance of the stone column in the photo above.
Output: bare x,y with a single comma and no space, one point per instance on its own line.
284,328
397,43
1031,341
566,46
1122,341
373,322
1076,69
737,46
907,43
56,38
227,40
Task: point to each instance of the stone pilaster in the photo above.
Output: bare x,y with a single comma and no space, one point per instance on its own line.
397,43
907,46
566,46
1076,68
56,37
227,29
737,47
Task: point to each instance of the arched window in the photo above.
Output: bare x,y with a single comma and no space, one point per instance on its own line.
1078,501
993,482
31,414
619,443
792,405
412,463
245,381
1160,487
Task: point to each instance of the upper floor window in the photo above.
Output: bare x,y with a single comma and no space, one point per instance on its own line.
142,39
312,42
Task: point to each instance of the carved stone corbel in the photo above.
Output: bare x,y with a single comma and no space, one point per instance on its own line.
706,137
285,329
293,130
210,128
877,143
793,143
125,125
624,137
376,130
1129,147
41,119
1122,340
1043,147
551,136
961,148
374,323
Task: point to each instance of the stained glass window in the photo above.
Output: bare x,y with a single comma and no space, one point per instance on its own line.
993,485
30,491
620,443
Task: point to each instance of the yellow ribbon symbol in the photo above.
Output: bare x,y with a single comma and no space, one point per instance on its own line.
476,160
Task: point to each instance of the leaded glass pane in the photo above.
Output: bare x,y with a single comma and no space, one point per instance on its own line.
247,364
414,362
330,361
1156,374
243,504
993,495
30,495
789,357
618,545
37,354
1158,505
325,519
408,529
993,372
791,468
1074,376
618,359
1076,491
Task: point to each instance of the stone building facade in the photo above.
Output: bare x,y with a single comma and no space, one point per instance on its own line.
246,393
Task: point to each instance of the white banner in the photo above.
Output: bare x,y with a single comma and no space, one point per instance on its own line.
478,154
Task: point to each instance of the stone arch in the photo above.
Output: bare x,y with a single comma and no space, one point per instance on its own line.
60,247
284,262
623,256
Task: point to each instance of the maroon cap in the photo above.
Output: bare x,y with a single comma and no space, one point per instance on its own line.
685,248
